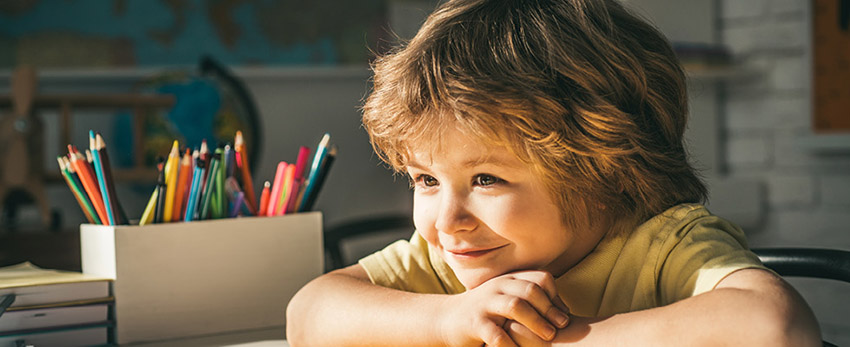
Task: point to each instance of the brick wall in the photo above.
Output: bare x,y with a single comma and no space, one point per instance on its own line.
765,119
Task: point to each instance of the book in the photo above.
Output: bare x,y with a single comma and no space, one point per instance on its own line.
34,287
83,335
53,317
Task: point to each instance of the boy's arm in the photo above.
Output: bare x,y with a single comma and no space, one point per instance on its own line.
750,307
344,308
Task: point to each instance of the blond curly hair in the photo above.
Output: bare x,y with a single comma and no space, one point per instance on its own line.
589,94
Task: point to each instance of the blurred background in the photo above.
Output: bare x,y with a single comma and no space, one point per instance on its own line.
769,124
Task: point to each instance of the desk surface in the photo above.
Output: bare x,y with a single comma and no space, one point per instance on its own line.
254,338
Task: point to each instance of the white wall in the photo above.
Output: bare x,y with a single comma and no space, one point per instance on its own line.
767,120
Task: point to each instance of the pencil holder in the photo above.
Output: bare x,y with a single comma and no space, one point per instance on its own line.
204,277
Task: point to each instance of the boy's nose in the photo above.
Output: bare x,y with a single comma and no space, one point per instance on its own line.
453,215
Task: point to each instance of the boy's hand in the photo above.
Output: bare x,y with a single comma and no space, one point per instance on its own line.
528,298
524,337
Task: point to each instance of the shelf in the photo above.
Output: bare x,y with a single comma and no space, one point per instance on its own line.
721,73
825,143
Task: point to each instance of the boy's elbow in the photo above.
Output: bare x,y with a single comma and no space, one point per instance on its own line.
294,326
781,330
790,323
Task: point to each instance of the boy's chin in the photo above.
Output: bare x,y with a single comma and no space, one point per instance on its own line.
474,278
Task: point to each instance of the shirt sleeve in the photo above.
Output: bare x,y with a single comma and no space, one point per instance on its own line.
407,265
710,249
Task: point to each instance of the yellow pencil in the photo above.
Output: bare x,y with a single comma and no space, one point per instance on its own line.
288,176
171,181
147,216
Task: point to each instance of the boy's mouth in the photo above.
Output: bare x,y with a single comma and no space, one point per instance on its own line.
472,253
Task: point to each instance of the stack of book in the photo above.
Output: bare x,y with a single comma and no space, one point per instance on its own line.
40,307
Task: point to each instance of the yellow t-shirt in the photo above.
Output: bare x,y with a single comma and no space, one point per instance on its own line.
680,253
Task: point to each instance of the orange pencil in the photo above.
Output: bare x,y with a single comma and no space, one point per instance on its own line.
245,170
264,199
67,173
91,188
182,183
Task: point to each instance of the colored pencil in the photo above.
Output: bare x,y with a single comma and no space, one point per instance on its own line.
171,169
117,209
208,190
75,179
321,152
160,191
101,179
298,184
221,195
316,184
229,162
183,182
277,187
264,199
205,156
289,189
245,171
147,215
234,195
89,182
88,211
192,202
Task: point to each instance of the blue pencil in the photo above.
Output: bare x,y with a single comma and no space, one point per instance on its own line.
101,180
316,184
321,153
192,203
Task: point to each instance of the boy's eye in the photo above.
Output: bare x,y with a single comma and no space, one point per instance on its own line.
426,180
486,180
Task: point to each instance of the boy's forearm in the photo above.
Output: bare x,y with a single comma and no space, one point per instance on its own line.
337,309
774,317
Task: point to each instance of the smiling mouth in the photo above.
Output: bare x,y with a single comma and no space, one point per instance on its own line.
473,253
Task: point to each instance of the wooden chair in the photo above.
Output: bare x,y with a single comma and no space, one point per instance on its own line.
22,139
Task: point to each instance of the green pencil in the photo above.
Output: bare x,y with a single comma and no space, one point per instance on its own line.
219,187
81,197
205,207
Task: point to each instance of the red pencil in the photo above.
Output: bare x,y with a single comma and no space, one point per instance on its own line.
264,199
277,188
81,166
245,171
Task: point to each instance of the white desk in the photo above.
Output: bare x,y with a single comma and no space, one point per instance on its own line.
254,338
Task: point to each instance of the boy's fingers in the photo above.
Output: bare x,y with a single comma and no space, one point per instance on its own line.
519,310
494,335
541,278
522,336
562,311
558,317
539,300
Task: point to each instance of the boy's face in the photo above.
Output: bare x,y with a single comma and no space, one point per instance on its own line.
488,213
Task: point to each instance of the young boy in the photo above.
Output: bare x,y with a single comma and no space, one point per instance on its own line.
553,199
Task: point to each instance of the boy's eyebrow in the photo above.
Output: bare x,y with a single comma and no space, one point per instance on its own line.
484,160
